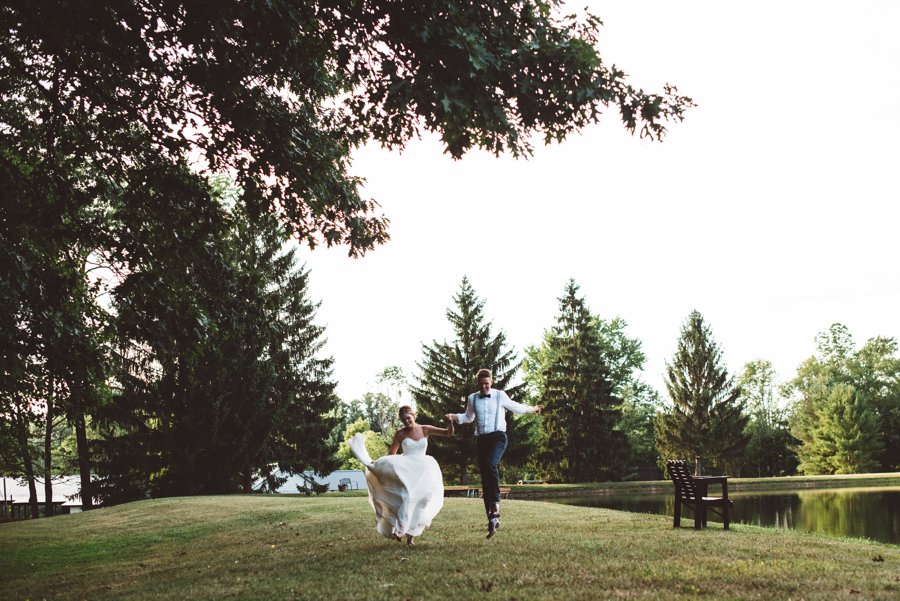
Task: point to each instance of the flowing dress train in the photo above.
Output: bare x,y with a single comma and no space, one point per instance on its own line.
406,491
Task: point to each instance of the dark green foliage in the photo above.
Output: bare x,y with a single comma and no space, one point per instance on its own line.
706,421
846,411
281,91
640,402
769,451
202,409
448,375
104,104
569,374
845,439
876,371
51,327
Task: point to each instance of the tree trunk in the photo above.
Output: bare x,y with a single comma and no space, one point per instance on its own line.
84,461
463,472
48,471
698,468
27,465
5,511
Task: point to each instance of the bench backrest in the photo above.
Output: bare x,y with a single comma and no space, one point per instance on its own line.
344,481
680,472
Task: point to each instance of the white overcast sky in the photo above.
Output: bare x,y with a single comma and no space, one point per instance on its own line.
772,209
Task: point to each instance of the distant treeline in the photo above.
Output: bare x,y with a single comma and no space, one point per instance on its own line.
840,412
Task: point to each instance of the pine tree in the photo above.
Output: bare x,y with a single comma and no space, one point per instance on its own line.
706,422
579,441
447,376
846,438
220,375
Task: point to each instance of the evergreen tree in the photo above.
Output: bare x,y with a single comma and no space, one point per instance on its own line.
706,421
219,368
447,376
579,441
845,439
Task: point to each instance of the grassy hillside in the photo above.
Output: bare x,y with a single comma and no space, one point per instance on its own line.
257,547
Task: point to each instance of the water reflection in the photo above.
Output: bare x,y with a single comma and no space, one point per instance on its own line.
872,513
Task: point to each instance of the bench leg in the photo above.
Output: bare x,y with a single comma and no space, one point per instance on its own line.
725,520
677,522
699,515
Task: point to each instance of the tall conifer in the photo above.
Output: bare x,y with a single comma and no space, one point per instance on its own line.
579,442
220,376
706,422
447,375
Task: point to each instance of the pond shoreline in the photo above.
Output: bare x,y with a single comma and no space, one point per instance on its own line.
538,491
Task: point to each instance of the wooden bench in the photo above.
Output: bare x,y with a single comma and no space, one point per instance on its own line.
475,493
693,491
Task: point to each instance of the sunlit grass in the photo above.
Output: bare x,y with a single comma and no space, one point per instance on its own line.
255,547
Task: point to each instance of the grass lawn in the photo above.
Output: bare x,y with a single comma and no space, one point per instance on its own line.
297,547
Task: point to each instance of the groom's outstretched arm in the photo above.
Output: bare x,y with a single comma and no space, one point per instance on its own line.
516,407
463,418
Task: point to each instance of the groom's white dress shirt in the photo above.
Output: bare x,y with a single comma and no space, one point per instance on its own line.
489,412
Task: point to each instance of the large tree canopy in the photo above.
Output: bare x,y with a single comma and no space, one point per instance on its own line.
279,92
846,409
114,114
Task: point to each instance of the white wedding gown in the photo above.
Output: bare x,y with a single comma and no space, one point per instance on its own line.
406,491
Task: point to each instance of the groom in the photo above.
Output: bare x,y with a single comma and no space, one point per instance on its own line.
487,408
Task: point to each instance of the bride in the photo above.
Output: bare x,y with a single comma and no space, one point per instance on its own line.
406,491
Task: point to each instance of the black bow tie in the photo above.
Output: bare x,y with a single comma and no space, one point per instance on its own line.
484,396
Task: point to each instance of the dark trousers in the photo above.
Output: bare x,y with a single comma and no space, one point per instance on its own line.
490,449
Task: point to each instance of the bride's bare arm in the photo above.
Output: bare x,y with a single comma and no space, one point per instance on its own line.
395,444
429,430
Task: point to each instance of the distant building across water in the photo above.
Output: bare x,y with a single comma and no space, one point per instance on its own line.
300,483
15,504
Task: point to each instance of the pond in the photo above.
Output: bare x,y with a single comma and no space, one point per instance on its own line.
872,513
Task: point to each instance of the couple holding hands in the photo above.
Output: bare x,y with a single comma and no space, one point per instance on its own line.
407,491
